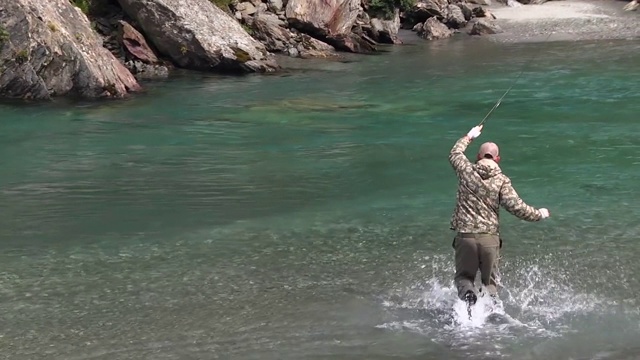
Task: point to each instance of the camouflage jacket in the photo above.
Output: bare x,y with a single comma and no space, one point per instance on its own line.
482,189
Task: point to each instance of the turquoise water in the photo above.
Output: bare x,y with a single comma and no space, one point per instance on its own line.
305,215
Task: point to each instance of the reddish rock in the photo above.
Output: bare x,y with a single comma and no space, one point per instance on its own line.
136,44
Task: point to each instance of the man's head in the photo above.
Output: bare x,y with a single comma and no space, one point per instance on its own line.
489,150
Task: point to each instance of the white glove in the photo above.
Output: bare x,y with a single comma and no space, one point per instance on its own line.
475,132
544,213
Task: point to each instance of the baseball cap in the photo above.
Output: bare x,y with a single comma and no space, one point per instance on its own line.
489,150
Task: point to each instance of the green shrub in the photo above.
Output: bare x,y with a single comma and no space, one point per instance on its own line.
83,5
222,4
386,8
4,35
22,56
93,8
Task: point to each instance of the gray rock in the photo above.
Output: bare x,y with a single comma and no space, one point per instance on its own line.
632,6
48,49
293,52
275,5
479,12
480,2
147,71
467,11
484,27
423,10
246,8
313,48
455,18
198,35
262,8
270,30
330,21
323,17
434,30
386,31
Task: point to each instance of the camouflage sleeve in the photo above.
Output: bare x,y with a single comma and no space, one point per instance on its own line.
457,158
512,202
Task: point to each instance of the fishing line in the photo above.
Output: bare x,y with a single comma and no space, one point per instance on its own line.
514,82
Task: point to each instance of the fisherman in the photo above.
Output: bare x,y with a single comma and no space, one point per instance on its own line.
482,189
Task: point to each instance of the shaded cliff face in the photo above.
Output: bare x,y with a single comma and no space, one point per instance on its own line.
47,49
198,35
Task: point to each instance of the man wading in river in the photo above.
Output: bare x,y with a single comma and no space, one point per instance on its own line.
482,189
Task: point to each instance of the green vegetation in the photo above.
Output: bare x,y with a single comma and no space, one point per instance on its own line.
22,56
248,29
222,4
110,88
4,35
92,7
386,8
52,27
84,5
241,55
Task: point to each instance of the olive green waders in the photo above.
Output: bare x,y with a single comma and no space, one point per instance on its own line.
475,252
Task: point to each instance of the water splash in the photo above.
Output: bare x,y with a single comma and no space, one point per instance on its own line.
534,302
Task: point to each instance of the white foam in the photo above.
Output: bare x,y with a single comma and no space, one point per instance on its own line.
537,306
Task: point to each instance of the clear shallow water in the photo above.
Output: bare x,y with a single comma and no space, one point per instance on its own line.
305,216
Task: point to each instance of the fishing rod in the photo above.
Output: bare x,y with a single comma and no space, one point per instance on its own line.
512,85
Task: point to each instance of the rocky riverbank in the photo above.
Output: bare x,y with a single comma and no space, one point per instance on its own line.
568,20
102,48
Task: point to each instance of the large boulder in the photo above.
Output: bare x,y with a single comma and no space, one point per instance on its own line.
386,30
136,44
632,6
48,49
197,35
433,29
271,31
485,27
423,10
331,21
454,17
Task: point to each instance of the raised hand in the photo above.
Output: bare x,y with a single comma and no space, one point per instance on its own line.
475,132
544,213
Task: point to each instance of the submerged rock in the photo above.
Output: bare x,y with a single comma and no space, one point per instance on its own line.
48,49
198,35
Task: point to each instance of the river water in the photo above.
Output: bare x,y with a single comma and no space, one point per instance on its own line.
305,215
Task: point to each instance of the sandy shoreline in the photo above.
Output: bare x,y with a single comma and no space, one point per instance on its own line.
567,20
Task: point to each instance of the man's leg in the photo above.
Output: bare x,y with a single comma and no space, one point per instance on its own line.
466,255
489,253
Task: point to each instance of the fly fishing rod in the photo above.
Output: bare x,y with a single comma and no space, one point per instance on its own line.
512,85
